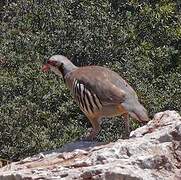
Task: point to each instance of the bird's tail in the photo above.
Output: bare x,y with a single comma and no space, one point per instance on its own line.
138,112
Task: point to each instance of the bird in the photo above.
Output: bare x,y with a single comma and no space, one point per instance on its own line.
99,92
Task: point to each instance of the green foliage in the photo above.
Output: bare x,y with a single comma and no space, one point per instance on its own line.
140,39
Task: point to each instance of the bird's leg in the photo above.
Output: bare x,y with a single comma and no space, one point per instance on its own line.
124,113
127,123
92,133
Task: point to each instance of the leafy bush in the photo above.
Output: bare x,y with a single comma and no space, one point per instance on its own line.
139,39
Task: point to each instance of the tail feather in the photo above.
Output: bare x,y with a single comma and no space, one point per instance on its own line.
137,111
141,113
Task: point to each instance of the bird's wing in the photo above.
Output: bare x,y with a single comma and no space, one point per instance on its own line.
98,81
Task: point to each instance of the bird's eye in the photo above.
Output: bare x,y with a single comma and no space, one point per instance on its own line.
52,63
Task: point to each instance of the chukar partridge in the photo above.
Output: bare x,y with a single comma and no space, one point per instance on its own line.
98,91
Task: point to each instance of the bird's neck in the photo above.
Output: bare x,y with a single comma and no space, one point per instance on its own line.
66,69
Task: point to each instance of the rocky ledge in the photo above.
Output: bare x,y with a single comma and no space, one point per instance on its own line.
153,152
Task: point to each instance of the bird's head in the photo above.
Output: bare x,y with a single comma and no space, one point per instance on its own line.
59,64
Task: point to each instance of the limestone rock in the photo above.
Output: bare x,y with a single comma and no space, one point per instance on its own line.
153,152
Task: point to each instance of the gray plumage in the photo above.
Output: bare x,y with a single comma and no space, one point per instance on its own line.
98,91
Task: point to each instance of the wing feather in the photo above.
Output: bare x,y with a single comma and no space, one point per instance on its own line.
101,81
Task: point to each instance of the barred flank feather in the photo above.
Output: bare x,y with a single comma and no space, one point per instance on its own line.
88,101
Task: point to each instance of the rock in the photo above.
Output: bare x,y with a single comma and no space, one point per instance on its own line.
153,152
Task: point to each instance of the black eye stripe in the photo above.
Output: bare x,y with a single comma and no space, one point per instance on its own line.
52,63
60,67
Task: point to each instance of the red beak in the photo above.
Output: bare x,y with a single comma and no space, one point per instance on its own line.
45,68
